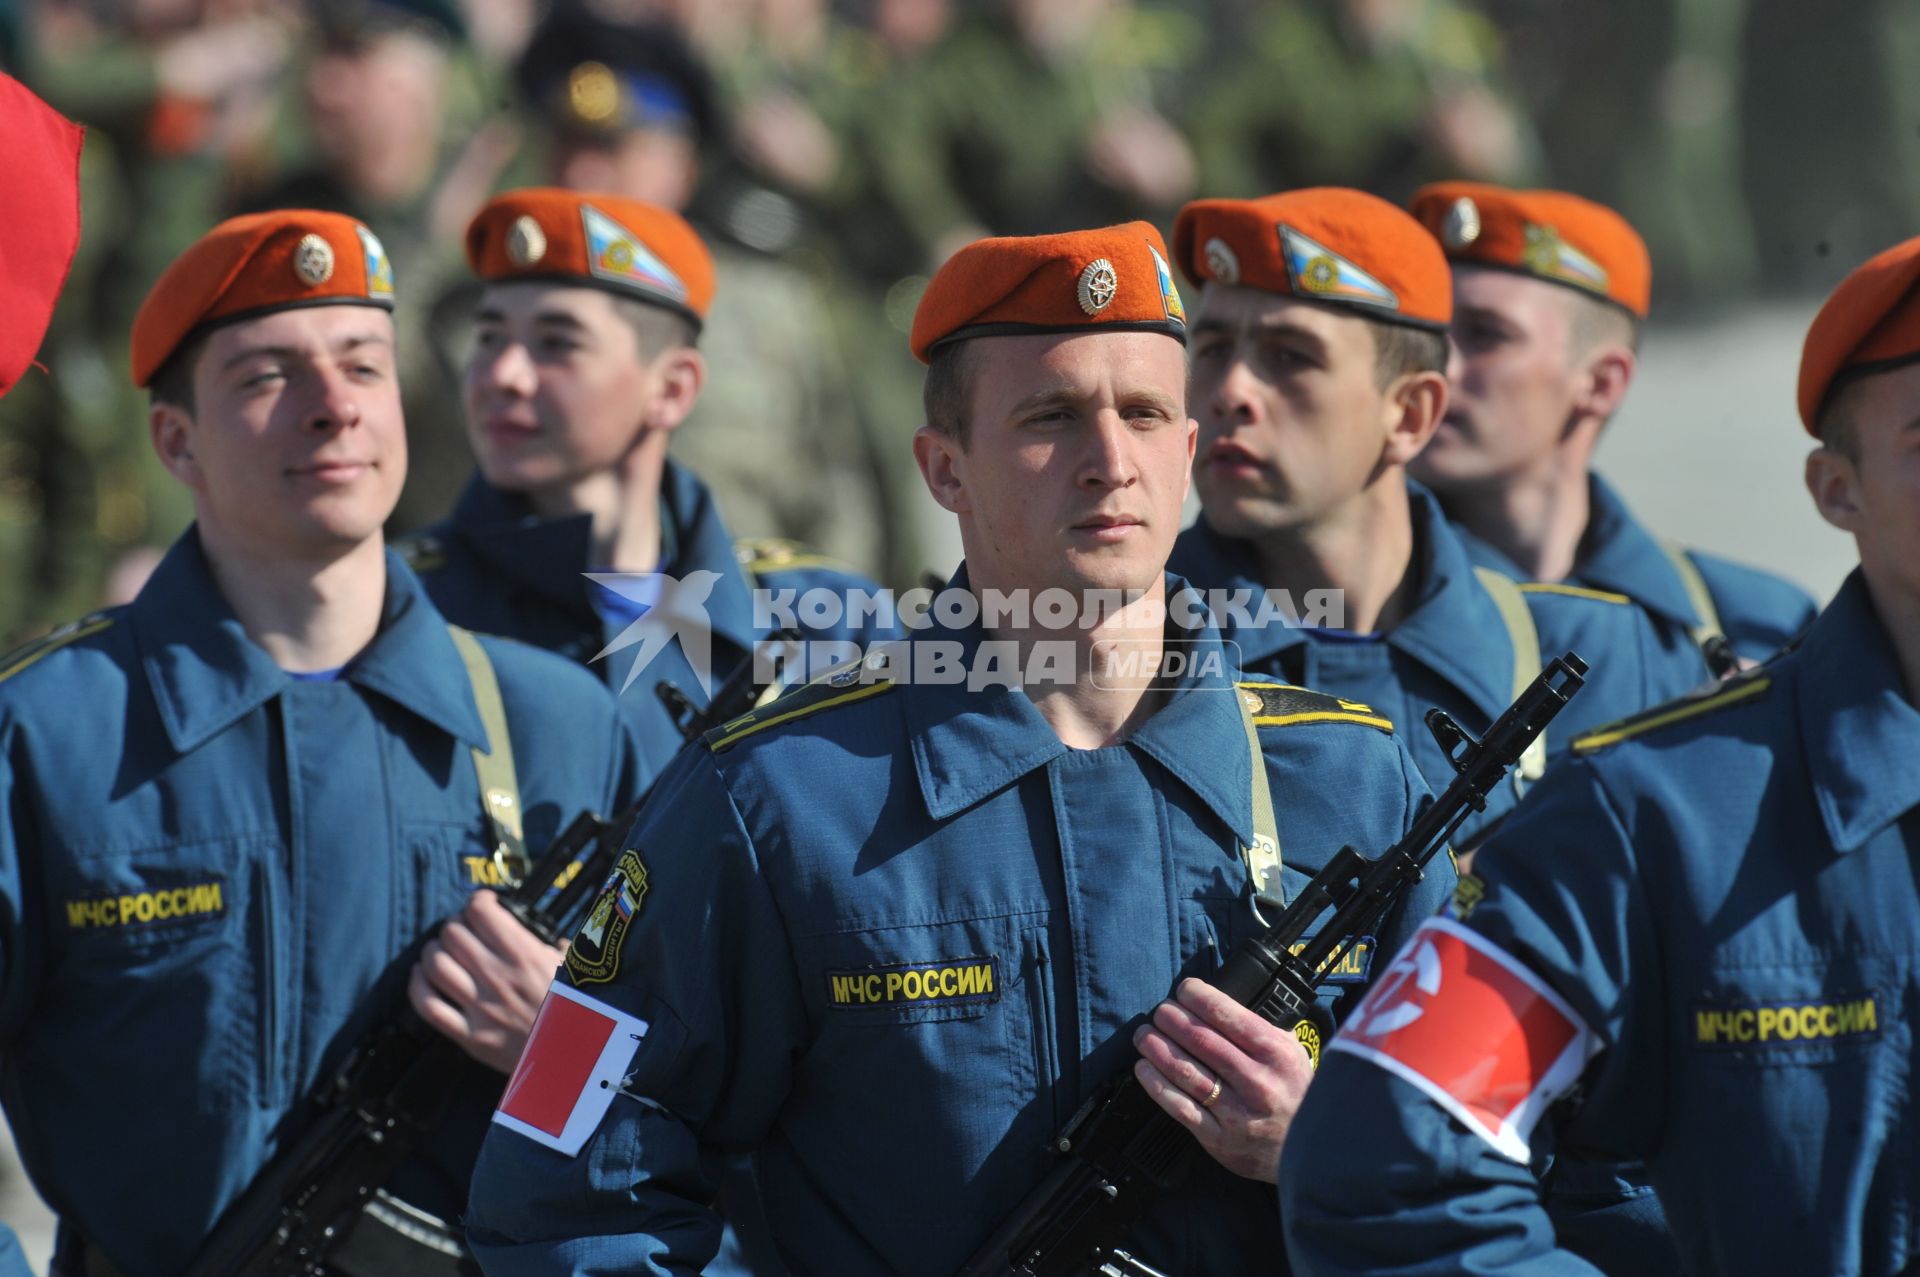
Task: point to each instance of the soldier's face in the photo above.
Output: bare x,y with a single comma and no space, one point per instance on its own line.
1875,494
557,388
1077,461
1513,380
1293,422
296,441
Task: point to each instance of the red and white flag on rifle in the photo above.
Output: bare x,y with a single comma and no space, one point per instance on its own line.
576,1057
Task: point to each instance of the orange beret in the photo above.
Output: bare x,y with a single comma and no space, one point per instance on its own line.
39,220
252,265
1550,235
634,249
1871,323
1325,244
1113,278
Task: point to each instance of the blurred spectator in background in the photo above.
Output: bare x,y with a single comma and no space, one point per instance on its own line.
1376,94
384,129
834,151
177,95
633,109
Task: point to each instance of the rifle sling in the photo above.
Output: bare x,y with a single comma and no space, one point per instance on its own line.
493,766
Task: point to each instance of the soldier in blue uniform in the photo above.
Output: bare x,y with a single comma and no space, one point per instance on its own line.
1550,291
1695,943
583,364
891,930
1319,356
235,807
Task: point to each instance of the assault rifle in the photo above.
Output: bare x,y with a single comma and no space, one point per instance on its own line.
319,1206
1121,1151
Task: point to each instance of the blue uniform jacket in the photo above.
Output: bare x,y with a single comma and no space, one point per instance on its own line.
495,567
205,867
1760,612
1726,896
910,828
1452,649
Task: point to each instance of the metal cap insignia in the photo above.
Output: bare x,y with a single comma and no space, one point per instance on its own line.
593,94
1462,225
313,260
1098,284
1221,262
526,242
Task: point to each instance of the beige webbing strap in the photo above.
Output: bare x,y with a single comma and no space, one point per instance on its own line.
1709,630
1263,854
493,767
1514,614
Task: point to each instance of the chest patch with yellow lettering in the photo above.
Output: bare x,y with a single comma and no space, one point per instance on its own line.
147,908
1351,967
945,982
1777,1024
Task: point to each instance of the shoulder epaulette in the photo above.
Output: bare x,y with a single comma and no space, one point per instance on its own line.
777,554
1284,705
1572,591
422,553
801,702
27,653
1746,687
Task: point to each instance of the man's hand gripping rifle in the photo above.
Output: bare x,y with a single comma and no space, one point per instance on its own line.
1121,1151
323,1192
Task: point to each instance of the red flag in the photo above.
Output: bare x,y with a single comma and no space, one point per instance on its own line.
39,220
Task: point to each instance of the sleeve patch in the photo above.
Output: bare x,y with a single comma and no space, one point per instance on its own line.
576,1058
1479,1033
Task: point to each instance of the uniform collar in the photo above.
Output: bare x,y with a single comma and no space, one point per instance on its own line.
550,556
1618,553
1861,734
1451,628
969,744
206,674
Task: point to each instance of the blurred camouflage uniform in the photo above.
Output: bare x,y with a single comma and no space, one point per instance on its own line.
777,432
992,131
79,484
1309,95
417,226
1635,103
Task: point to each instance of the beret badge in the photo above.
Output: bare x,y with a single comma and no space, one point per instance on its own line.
1462,224
526,242
313,260
1222,264
1098,284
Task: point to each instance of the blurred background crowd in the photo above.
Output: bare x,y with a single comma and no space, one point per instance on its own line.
834,151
